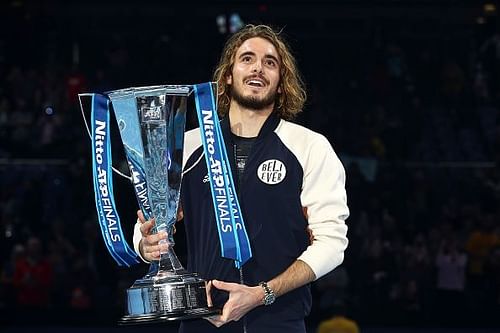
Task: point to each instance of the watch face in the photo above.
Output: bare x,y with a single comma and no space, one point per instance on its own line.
269,299
269,296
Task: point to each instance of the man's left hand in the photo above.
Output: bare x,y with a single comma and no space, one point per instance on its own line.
241,300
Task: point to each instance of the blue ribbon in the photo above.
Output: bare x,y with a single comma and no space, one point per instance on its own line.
233,237
109,220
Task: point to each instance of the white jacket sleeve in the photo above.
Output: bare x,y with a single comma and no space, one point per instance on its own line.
324,196
137,238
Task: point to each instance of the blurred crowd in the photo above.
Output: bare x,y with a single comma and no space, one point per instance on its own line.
416,124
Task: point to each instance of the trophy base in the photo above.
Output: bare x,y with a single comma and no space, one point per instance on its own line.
167,296
166,316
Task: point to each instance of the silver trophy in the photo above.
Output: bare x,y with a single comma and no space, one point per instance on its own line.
152,124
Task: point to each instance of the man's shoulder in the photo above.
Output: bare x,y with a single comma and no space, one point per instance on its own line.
306,145
299,136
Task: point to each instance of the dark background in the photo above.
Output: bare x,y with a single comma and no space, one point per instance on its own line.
407,92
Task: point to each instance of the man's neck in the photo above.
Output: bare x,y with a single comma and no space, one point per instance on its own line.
245,122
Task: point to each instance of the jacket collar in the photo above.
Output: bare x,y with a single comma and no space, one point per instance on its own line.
269,126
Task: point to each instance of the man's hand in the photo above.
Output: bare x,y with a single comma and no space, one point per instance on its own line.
241,300
148,246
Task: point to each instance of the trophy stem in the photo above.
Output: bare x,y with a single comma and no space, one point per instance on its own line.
169,263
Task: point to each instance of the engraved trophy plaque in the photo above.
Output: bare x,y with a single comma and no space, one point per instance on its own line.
152,124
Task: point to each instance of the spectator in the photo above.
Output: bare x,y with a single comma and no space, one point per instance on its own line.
338,324
33,278
451,263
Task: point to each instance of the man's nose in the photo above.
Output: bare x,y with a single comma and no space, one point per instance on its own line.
257,67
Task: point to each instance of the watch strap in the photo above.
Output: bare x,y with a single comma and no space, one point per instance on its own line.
269,295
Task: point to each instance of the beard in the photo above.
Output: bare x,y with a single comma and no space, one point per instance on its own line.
253,102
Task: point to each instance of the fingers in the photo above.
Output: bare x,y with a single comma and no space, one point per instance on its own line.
227,316
180,213
141,217
227,286
242,299
208,290
146,227
215,320
236,306
219,320
152,245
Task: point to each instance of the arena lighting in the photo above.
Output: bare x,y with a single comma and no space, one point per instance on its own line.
221,23
49,111
490,8
231,23
235,23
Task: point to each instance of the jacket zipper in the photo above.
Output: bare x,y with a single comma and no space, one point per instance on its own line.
242,280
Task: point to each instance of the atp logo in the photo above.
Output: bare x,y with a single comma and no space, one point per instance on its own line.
271,172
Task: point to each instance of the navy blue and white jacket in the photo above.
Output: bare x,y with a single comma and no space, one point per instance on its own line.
293,200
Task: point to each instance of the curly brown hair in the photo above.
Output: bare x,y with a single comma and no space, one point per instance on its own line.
293,95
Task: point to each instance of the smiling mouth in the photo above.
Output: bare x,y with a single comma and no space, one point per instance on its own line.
257,83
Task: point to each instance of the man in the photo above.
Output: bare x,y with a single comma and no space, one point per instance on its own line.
291,188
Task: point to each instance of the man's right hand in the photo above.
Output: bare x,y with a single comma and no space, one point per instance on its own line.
148,246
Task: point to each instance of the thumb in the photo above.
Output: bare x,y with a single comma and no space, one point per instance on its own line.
141,217
221,285
146,227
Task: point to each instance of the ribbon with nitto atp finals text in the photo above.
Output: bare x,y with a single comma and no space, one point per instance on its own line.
109,220
233,238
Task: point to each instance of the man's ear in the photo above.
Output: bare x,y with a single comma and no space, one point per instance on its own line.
279,89
229,79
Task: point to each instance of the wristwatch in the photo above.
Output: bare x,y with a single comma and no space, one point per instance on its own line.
269,296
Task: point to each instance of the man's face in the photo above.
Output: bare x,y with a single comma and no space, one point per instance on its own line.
256,74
